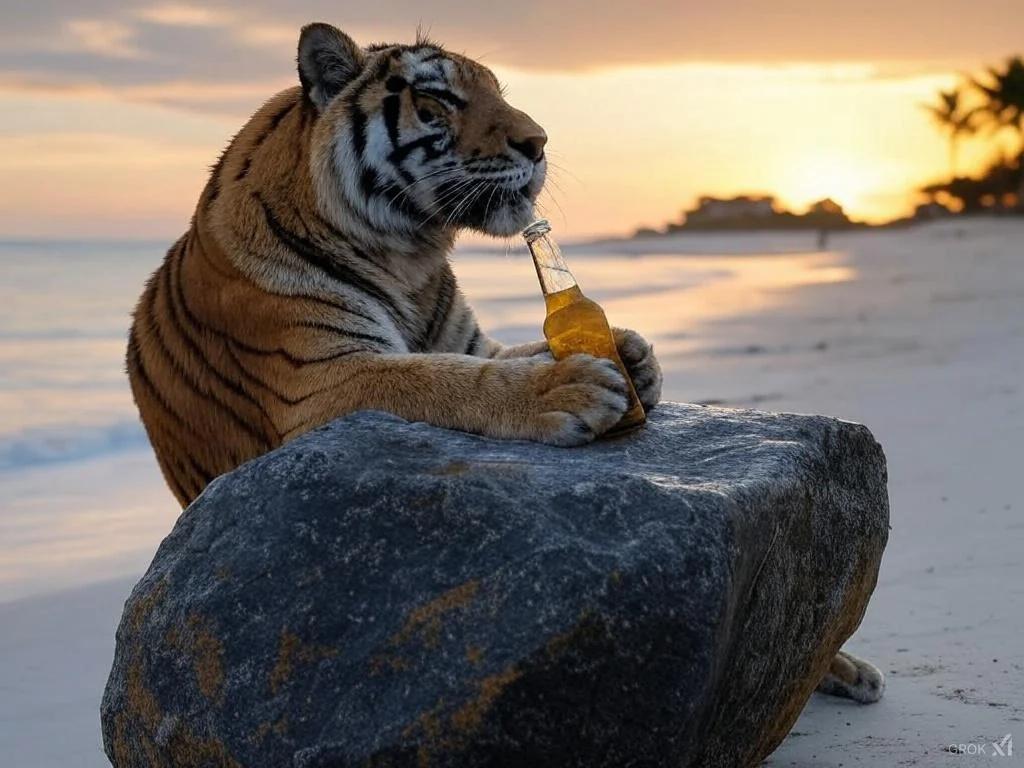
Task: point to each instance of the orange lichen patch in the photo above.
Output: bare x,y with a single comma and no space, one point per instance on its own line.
198,641
394,663
584,631
426,619
126,734
461,467
207,657
181,750
470,716
429,724
475,656
558,644
280,728
454,468
437,733
293,651
136,725
140,703
145,604
184,749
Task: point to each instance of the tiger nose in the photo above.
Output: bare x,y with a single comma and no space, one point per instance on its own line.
531,146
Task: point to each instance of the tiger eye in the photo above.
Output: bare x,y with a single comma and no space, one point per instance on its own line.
427,109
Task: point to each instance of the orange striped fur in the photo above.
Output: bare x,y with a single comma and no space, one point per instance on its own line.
314,278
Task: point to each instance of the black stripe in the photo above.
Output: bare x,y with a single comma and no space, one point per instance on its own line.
177,298
187,469
473,341
357,252
295,362
442,308
318,326
364,256
334,384
368,183
299,296
356,116
213,185
442,94
214,267
177,301
392,113
290,401
143,379
357,119
271,126
316,256
332,304
176,452
170,289
430,57
397,199
426,143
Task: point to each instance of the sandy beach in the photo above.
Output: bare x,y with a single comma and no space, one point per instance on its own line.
918,334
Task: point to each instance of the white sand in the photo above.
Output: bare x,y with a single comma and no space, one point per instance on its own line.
919,335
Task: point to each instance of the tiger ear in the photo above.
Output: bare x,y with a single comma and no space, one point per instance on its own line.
328,61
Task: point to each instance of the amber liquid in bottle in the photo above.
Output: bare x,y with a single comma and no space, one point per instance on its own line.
574,323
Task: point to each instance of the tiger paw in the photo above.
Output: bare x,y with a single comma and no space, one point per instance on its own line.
851,677
576,399
645,371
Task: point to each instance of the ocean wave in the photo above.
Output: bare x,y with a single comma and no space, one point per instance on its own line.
63,443
63,334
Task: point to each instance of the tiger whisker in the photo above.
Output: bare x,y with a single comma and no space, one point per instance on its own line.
403,192
466,202
451,194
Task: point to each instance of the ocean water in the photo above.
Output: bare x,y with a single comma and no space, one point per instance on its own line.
81,498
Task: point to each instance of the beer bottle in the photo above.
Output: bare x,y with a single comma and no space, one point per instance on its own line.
574,323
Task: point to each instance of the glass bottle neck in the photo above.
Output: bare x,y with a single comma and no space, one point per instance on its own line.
552,271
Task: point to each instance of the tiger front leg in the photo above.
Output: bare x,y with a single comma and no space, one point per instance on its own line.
567,402
636,352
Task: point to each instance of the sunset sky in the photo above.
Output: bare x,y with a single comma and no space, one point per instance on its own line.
114,109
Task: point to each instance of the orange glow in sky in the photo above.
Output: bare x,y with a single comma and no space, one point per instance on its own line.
631,146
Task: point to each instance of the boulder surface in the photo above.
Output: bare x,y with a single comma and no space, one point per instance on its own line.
382,593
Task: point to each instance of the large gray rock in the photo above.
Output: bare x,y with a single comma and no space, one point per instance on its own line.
379,593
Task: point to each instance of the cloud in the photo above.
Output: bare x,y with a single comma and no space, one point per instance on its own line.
61,150
179,15
112,39
140,46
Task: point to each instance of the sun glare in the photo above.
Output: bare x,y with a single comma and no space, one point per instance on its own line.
840,176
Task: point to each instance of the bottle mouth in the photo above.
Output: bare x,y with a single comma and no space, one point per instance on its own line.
539,228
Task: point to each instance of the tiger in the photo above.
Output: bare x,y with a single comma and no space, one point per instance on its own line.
314,279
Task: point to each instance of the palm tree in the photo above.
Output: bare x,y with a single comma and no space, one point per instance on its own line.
1003,91
1004,94
954,117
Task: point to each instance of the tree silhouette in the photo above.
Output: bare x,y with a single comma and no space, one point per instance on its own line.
1003,90
1004,96
955,118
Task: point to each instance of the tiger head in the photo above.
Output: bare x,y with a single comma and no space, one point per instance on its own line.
412,137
